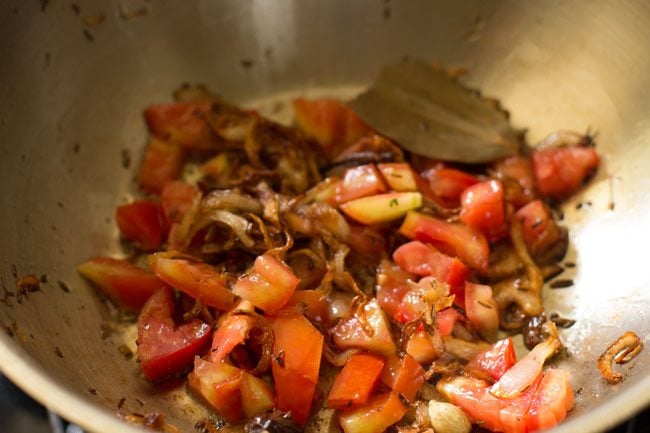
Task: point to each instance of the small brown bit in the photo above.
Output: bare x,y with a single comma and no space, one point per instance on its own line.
130,12
63,286
208,426
14,271
561,321
126,158
570,264
26,285
44,4
93,391
125,351
76,147
43,278
246,63
94,20
58,352
623,350
561,284
154,421
75,8
137,400
89,36
121,403
105,330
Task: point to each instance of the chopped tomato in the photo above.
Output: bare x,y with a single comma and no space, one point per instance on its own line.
447,184
474,398
256,395
360,181
538,227
482,310
516,173
379,413
483,207
366,240
182,123
446,320
421,349
296,362
123,282
165,349
313,303
141,223
451,238
403,375
218,384
269,285
331,123
176,199
495,361
353,333
162,163
421,299
560,171
381,207
424,260
356,381
392,285
552,402
232,331
197,279
399,176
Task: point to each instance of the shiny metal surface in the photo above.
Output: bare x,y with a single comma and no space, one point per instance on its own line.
70,103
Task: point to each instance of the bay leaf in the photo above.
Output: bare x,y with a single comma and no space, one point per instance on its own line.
430,114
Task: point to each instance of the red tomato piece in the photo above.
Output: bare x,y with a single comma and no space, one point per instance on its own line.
360,181
516,172
232,331
392,285
219,386
269,285
123,282
451,238
366,240
182,123
141,223
356,381
560,171
331,123
176,199
513,415
552,402
379,413
297,354
352,333
483,207
163,162
447,184
482,310
199,280
403,375
445,321
538,227
494,361
256,395
424,260
165,349
421,349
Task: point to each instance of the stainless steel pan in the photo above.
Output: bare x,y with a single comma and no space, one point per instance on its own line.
70,101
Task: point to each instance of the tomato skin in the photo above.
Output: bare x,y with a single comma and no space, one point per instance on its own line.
538,227
360,181
445,321
163,162
494,361
474,398
176,199
355,382
269,286
451,238
560,171
218,385
331,123
483,207
553,401
182,123
231,332
141,223
447,184
297,354
199,280
403,375
163,348
350,333
520,170
366,240
379,413
421,349
424,260
123,282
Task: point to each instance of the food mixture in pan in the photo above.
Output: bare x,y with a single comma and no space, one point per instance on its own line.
321,267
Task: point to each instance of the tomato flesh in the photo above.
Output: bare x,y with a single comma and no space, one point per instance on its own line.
297,355
163,162
399,176
351,333
360,181
403,375
218,384
176,199
538,227
483,207
141,223
424,260
392,285
482,310
451,238
447,184
379,413
356,381
123,282
560,171
165,349
182,123
494,361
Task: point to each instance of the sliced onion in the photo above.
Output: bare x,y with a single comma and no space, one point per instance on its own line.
232,200
521,375
621,351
